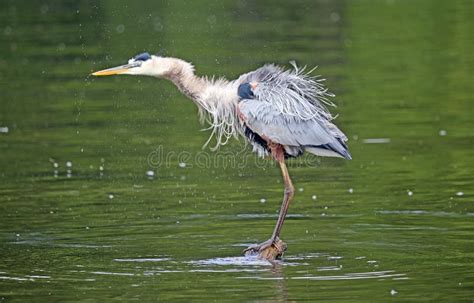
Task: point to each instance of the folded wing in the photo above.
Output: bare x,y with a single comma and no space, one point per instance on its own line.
316,135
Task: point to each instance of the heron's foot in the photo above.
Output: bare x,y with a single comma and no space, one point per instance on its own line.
269,250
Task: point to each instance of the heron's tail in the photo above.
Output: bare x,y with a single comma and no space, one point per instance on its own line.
335,149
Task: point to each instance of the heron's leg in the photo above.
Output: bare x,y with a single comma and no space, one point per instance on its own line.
274,247
287,198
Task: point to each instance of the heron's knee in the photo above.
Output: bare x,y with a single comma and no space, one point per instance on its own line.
290,190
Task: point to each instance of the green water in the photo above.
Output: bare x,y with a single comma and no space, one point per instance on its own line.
393,224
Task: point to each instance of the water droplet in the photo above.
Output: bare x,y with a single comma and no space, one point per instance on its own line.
443,132
68,164
111,196
4,129
158,27
182,164
263,200
410,193
301,189
351,190
120,28
150,173
335,17
7,31
101,168
459,193
348,43
212,19
314,197
393,292
55,165
157,24
44,9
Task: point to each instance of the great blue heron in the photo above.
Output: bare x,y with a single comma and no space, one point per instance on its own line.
281,113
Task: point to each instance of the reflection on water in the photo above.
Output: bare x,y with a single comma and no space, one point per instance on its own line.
87,213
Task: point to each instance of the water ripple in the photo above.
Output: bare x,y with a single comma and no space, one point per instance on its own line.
422,212
348,276
355,276
112,273
143,260
239,261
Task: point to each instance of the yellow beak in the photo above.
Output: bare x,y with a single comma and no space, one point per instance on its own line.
115,70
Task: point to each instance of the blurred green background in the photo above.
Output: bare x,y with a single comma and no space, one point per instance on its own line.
89,212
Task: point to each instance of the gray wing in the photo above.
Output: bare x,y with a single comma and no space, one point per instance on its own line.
317,135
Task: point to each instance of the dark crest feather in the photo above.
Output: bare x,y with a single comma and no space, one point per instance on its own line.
142,57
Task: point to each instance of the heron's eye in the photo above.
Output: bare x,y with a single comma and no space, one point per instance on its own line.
142,57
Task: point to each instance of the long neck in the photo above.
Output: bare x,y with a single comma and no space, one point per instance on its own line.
181,73
216,99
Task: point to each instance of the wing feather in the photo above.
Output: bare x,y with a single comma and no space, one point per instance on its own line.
293,92
314,134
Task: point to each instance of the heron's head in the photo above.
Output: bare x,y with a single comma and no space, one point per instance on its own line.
142,64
